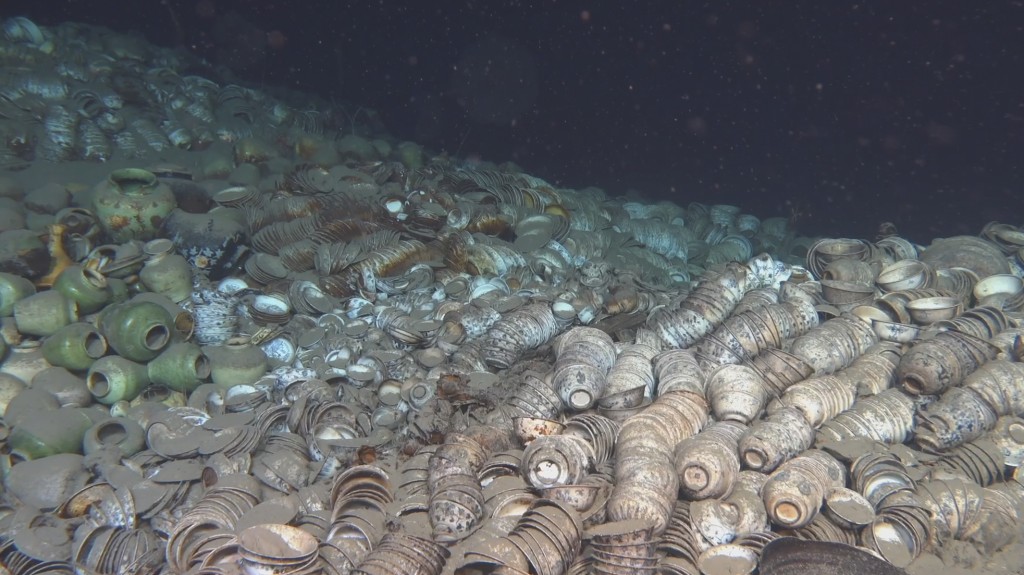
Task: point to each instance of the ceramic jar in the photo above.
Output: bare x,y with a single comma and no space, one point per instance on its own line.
86,287
120,432
166,272
211,241
132,204
44,313
236,362
137,330
75,346
181,367
114,378
12,289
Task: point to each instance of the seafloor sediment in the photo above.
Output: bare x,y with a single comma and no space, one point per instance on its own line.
248,331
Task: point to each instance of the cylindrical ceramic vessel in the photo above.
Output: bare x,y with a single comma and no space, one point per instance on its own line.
181,367
86,287
120,432
138,331
75,346
166,272
113,378
13,288
236,362
44,313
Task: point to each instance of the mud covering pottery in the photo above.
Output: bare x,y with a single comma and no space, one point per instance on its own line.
181,367
165,272
69,388
51,431
213,242
132,204
119,291
75,346
113,378
25,360
792,556
12,289
44,313
86,287
236,362
120,432
10,387
137,330
48,482
30,400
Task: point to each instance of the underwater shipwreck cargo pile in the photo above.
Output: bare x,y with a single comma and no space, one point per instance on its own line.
312,360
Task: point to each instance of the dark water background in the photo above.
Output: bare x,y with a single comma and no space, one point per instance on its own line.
840,114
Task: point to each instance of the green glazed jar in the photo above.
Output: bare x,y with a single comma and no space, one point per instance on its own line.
113,378
138,331
12,289
75,346
181,367
119,290
119,432
131,204
86,287
236,362
166,272
49,432
44,313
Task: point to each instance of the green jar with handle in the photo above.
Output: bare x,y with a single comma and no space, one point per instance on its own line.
75,346
137,330
131,204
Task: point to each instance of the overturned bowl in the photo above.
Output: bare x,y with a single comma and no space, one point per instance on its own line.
792,556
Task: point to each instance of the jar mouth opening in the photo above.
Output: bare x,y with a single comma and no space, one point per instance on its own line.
157,337
133,179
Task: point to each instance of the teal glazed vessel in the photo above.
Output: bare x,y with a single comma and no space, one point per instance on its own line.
114,378
86,287
44,313
132,204
13,288
75,346
237,362
166,272
137,330
181,367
